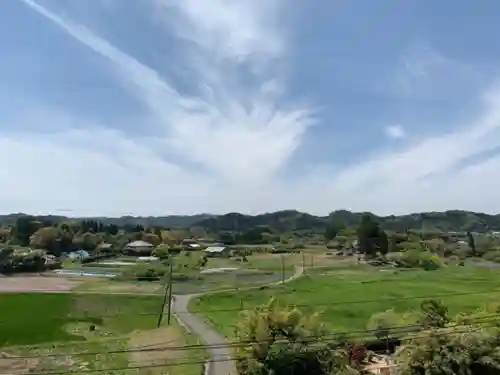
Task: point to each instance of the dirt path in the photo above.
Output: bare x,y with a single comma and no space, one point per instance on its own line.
220,356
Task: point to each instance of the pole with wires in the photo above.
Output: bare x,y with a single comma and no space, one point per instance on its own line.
170,277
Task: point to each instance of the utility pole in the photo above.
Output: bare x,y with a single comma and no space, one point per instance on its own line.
162,309
303,262
170,277
282,269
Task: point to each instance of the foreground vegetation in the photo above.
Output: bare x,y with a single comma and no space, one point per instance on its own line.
281,340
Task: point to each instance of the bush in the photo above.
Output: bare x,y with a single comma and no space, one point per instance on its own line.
145,272
389,323
444,351
97,257
284,341
161,251
416,259
381,323
430,262
492,256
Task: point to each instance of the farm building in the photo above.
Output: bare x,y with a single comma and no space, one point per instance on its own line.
217,251
139,247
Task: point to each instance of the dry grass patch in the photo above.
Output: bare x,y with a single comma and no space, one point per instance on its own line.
110,286
15,366
157,342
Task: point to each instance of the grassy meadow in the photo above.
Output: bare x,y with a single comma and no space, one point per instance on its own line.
29,318
348,296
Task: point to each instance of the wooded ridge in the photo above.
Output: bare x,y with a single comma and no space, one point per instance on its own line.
292,220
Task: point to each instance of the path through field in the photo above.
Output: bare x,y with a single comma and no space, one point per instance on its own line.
220,356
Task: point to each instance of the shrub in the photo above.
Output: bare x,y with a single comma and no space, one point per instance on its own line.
161,251
416,259
389,323
145,272
430,262
284,341
492,256
445,351
381,323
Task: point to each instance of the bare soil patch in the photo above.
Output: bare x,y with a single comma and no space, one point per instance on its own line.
16,284
160,341
14,366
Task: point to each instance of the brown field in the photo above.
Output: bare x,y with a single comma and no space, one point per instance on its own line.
17,284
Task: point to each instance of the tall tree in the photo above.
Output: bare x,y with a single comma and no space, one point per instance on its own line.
333,227
472,243
25,227
368,235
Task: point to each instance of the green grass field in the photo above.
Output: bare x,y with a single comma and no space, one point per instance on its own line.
29,318
348,296
55,328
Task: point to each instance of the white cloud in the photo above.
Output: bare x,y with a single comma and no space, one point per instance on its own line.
395,131
241,135
424,73
258,131
237,30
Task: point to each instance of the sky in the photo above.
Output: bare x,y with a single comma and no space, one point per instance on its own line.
158,107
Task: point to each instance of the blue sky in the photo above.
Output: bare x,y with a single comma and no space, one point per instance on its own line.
157,107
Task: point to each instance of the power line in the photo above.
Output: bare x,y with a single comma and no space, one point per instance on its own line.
336,303
395,330
184,363
360,302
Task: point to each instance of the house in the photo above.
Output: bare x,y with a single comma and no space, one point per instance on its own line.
190,244
139,247
206,241
217,251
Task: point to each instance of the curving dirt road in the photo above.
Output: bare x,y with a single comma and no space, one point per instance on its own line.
220,363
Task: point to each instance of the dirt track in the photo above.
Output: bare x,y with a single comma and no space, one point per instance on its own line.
36,284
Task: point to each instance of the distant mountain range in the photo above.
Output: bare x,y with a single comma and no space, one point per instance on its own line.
291,220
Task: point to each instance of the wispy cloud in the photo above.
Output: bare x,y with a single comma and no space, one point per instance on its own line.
236,30
426,74
255,129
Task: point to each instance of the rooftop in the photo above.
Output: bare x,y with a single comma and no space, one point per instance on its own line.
215,249
139,243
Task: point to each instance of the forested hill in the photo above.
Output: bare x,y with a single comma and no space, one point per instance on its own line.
172,221
290,220
285,221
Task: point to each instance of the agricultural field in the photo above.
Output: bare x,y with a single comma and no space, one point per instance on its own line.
53,331
218,273
348,295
